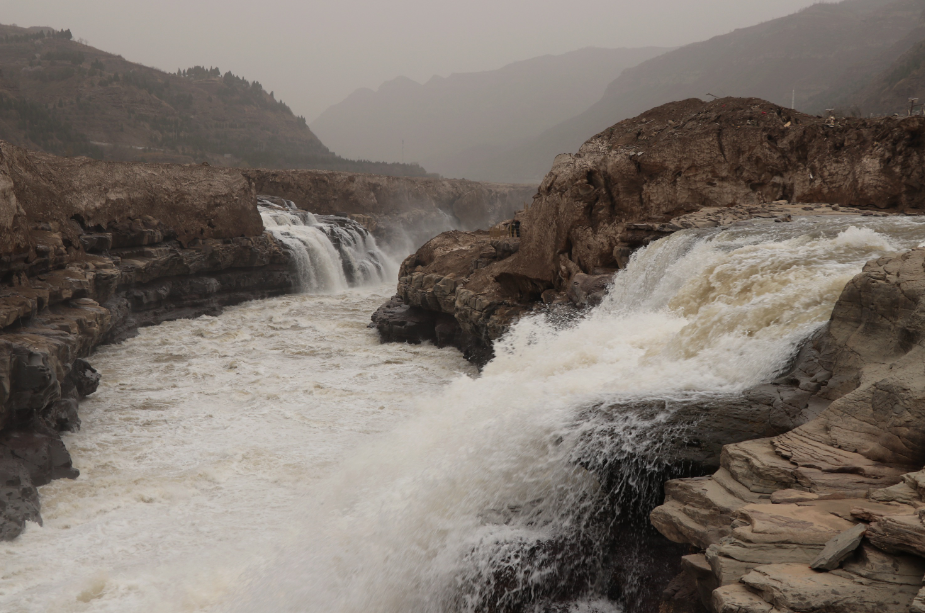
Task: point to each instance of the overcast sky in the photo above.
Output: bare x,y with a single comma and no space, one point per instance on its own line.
313,53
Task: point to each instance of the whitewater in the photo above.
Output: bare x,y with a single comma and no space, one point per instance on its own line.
278,458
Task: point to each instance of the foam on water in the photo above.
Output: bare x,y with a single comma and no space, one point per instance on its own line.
243,463
200,451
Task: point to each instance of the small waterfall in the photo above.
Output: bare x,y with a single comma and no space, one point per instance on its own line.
528,488
331,253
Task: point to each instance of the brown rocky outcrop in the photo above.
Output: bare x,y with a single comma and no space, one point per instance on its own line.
633,183
73,197
827,516
89,252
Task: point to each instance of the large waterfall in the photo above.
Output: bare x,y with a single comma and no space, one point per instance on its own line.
279,459
332,253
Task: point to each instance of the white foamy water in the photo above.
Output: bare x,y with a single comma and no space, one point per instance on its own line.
200,451
243,463
331,253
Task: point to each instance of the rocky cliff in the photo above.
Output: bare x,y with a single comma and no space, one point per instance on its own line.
624,188
90,251
826,517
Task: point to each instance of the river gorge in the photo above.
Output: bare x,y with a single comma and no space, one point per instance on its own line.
278,458
685,377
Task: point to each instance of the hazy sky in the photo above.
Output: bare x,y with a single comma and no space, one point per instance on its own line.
314,53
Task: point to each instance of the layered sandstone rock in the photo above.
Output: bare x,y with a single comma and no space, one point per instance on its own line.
89,252
68,198
827,516
634,182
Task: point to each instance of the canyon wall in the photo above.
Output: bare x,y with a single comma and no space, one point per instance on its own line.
89,252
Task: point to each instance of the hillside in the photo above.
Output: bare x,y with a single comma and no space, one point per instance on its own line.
823,53
891,90
450,124
63,97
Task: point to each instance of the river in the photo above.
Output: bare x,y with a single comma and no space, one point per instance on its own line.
278,458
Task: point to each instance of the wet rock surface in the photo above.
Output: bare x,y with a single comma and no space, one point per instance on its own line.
825,517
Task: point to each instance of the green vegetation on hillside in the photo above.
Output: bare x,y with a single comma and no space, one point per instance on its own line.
45,128
67,98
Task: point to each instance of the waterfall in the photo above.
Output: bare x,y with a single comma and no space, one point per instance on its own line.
516,491
331,252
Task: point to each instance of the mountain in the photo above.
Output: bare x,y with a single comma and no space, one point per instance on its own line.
449,124
63,97
822,54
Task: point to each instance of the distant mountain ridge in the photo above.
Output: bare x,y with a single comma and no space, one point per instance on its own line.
449,124
67,98
827,54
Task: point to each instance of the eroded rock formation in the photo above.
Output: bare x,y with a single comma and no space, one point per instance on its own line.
826,517
90,251
633,183
815,503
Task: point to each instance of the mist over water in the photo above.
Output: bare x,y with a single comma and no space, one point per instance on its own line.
277,458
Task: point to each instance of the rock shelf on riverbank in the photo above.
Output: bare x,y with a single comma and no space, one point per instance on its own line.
765,520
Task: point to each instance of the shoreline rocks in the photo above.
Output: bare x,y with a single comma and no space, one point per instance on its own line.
832,506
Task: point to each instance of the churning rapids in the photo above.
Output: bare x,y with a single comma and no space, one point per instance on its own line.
277,458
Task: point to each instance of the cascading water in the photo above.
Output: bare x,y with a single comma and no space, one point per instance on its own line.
277,459
484,503
331,253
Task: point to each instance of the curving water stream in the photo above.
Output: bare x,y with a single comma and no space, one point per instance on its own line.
278,458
